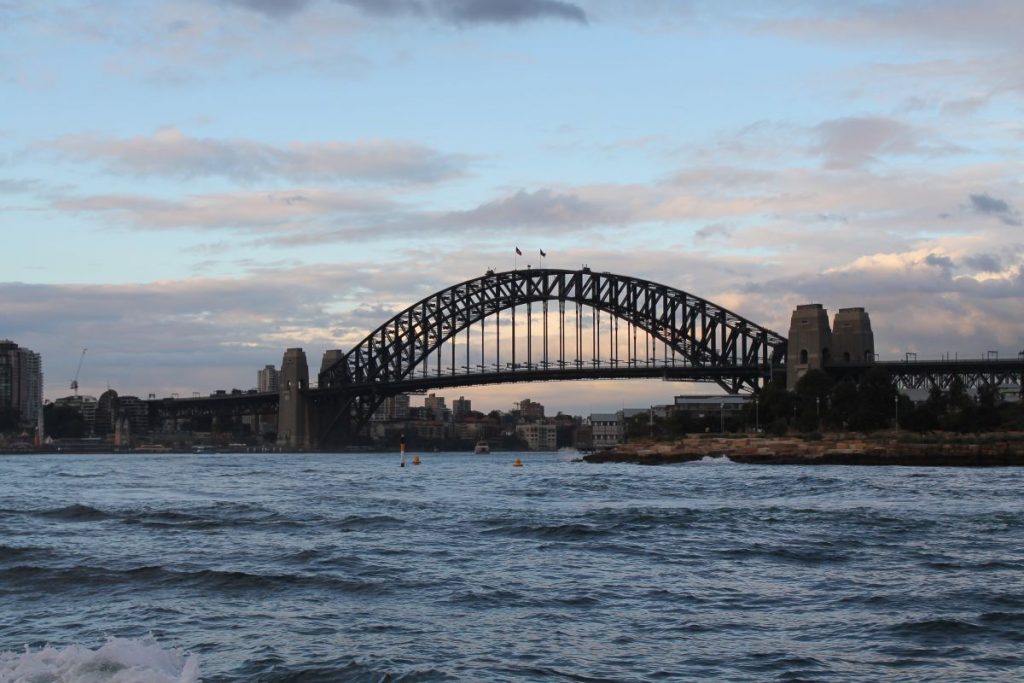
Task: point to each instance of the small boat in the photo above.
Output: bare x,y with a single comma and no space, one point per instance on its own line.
482,448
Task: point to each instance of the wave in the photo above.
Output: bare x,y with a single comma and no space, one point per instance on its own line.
503,598
15,552
211,516
74,513
119,660
207,579
549,532
367,523
939,627
711,460
74,475
274,670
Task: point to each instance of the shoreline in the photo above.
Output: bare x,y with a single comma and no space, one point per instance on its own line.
1000,449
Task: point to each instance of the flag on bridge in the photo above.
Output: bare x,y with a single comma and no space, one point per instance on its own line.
518,253
542,254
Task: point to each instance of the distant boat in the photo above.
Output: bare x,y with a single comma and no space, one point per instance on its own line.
482,448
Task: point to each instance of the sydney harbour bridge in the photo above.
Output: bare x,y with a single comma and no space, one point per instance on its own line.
551,324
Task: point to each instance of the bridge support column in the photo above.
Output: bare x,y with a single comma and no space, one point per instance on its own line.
293,411
810,339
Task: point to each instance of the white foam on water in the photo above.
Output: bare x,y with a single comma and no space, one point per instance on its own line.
119,660
713,460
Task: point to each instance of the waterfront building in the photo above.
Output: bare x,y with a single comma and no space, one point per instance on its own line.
539,436
470,431
21,381
135,412
710,405
86,407
606,429
268,379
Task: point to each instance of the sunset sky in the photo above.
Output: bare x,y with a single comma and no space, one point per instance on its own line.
188,187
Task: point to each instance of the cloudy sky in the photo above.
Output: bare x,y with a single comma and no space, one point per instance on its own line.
188,187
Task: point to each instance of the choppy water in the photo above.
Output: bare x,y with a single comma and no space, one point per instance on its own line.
324,568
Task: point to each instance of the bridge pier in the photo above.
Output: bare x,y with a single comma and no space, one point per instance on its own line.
293,430
814,345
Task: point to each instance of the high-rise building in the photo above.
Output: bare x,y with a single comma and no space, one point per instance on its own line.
530,410
21,380
435,407
461,407
393,408
267,379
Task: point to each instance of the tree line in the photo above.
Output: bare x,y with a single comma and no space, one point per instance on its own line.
820,403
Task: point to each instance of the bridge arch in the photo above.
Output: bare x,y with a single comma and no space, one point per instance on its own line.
712,343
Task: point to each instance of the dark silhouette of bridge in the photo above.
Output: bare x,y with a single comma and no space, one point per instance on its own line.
540,325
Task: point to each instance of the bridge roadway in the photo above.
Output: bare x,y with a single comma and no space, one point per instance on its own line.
908,374
922,374
535,373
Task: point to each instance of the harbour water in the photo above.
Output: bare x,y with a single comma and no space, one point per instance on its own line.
346,567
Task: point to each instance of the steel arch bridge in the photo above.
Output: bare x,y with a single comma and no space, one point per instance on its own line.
592,325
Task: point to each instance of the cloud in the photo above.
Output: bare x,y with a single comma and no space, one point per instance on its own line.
281,212
990,206
171,153
272,8
984,23
983,263
539,208
19,185
508,11
714,230
853,142
942,262
458,12
915,299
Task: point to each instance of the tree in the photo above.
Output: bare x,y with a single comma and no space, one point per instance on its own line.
776,404
679,423
988,417
812,392
843,403
876,404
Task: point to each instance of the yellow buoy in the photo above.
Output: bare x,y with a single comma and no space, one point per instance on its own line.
518,463
415,460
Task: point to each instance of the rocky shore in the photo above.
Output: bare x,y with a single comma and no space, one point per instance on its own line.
989,450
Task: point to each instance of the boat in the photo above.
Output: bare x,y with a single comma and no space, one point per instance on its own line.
482,448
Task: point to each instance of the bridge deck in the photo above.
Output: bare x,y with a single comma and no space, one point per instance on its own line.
535,374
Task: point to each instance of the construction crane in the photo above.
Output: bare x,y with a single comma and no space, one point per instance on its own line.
74,382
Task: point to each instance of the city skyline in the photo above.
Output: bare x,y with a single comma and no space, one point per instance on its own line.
191,187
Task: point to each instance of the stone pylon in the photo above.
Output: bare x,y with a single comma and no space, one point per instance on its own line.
810,341
293,409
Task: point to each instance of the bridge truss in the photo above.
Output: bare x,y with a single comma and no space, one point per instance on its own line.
925,374
546,324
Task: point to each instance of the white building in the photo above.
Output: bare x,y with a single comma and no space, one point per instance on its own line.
606,428
539,436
